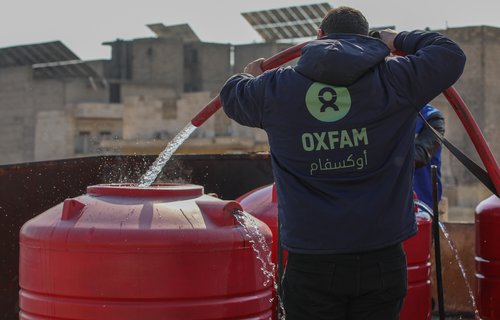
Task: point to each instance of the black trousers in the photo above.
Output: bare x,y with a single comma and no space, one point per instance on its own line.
368,286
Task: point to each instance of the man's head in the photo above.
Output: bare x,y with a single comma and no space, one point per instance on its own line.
343,20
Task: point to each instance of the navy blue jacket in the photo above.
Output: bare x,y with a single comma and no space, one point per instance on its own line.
427,154
341,128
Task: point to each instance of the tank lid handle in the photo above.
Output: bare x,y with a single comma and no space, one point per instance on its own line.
71,208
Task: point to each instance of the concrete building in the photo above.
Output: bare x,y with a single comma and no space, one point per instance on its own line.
478,87
37,83
164,82
56,106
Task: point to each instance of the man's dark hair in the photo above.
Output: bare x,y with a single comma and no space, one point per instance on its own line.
344,20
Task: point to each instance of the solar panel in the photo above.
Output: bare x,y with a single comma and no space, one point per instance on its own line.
287,23
35,53
48,60
182,31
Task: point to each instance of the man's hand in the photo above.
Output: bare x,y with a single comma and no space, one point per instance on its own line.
253,67
388,36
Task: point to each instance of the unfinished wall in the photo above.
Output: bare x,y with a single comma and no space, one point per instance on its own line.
142,117
54,132
131,89
94,124
147,117
478,87
214,65
159,61
84,90
21,98
491,125
243,54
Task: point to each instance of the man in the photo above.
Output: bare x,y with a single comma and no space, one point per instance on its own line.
341,128
427,154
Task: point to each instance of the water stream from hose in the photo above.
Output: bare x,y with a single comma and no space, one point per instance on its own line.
154,170
454,249
262,253
462,269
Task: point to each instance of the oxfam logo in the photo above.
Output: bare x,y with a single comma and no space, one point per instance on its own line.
327,103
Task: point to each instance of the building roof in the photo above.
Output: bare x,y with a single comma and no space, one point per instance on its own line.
48,60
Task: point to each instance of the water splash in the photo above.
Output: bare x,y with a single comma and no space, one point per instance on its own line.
454,249
262,253
150,176
462,269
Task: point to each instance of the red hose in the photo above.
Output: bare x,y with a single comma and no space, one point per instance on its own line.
473,131
451,94
475,135
270,63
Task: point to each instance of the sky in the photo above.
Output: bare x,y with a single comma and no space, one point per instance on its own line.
84,25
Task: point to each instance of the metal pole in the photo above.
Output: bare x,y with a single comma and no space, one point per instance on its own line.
437,246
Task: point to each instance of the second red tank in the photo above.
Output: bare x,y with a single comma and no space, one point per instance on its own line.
488,258
263,204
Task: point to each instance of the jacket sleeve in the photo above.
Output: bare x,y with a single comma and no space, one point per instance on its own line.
426,143
242,98
433,63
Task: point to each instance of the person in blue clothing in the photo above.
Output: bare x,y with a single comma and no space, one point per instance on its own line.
341,130
427,154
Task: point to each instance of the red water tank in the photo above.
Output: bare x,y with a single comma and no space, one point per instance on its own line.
263,204
124,252
488,258
417,305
